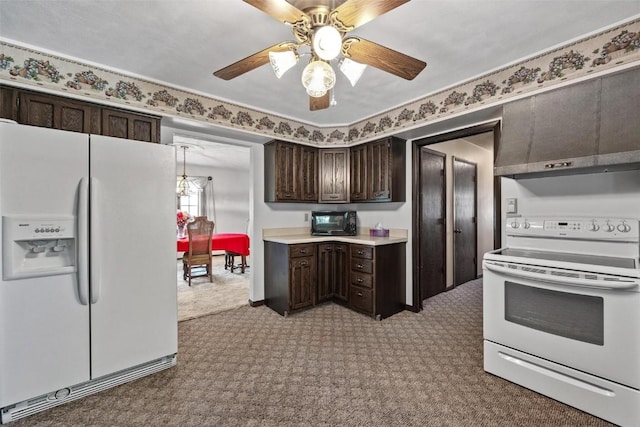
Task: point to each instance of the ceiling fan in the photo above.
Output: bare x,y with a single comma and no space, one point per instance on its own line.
322,28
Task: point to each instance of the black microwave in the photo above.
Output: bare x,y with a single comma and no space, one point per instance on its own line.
333,223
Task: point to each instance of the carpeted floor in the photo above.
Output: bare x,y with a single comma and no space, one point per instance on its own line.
227,291
327,366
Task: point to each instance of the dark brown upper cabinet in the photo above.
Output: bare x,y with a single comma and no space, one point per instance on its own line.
378,171
334,176
291,172
309,173
122,124
371,172
56,112
358,173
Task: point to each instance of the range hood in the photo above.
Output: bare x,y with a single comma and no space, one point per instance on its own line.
587,127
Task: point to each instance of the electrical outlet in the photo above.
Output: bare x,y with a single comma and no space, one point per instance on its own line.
306,217
512,206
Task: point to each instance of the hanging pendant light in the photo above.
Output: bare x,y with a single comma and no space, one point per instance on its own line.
184,187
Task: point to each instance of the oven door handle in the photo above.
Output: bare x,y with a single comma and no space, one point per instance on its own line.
585,283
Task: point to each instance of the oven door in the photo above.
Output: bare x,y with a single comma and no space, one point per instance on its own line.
593,327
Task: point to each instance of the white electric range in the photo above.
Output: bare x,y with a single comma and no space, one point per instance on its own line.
562,312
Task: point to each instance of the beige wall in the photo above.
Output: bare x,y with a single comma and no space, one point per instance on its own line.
483,158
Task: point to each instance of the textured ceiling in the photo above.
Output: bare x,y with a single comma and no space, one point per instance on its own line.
181,42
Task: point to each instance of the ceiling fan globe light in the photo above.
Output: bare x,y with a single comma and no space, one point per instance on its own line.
327,42
316,93
282,61
317,78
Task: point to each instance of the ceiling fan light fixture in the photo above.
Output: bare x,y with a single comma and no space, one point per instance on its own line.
317,78
281,62
352,70
316,93
327,42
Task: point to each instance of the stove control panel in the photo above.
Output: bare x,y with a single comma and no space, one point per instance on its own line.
574,227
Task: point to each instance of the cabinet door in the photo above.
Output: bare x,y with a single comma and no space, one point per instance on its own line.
287,162
8,103
302,273
565,123
58,113
620,103
358,172
379,166
515,138
341,272
309,174
326,272
333,175
121,124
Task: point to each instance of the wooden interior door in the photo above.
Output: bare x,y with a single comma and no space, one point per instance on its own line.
465,233
432,213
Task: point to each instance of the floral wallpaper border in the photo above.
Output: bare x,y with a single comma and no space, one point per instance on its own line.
607,50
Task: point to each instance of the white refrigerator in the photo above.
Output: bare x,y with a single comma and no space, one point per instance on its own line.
88,291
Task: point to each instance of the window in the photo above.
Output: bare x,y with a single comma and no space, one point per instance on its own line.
191,202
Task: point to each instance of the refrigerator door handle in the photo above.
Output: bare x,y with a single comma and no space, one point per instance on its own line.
83,241
95,239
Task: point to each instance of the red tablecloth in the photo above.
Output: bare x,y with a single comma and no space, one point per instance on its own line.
238,243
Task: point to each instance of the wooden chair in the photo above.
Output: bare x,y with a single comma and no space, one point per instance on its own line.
200,231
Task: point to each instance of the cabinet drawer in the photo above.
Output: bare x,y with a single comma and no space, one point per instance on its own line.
302,250
361,299
365,252
360,279
361,265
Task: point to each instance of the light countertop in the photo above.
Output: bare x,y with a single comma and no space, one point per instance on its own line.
292,236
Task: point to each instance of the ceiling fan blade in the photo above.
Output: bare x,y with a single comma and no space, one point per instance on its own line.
319,103
354,13
383,58
279,9
250,62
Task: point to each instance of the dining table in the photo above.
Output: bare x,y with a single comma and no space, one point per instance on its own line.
234,244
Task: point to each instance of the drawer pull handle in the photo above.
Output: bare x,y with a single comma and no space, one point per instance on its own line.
360,252
359,280
360,294
304,263
359,266
303,251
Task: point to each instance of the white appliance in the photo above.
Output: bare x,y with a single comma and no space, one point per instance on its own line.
88,292
561,308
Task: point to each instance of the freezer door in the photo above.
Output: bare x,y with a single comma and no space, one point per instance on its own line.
44,327
133,262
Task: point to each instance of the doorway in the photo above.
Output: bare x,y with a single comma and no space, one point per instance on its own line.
471,152
224,199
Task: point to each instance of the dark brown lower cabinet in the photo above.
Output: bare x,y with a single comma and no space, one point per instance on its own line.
333,271
290,276
377,279
367,279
